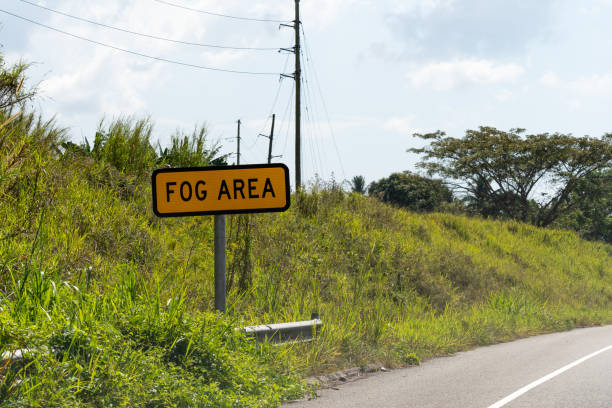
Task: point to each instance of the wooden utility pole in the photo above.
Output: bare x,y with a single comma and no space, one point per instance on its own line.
271,139
298,100
220,240
238,148
297,76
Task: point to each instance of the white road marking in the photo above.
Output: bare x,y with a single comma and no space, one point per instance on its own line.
542,380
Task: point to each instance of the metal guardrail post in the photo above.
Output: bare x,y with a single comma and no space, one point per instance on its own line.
284,332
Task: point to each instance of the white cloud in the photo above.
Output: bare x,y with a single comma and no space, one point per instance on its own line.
221,58
97,80
87,77
444,29
595,7
422,7
443,76
504,95
575,104
87,80
575,92
73,86
591,85
403,125
549,79
320,13
594,85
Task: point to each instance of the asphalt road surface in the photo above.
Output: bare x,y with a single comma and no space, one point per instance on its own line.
570,369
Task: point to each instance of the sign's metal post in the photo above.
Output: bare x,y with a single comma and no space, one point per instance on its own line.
218,191
220,263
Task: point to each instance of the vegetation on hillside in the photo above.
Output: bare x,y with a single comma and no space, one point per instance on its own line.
392,284
85,295
113,305
544,179
527,177
591,215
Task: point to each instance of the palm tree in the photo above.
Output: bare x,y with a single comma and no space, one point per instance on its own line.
358,184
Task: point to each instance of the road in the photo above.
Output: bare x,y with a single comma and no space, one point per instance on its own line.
569,369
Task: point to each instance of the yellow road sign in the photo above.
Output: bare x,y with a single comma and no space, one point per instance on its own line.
220,190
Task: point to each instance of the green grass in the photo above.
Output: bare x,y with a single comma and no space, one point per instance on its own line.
124,347
391,283
116,303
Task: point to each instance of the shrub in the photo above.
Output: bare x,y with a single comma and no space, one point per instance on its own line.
412,191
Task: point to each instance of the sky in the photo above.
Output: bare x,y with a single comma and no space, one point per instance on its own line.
375,72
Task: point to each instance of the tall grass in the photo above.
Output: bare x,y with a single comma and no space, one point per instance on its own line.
192,150
114,304
125,345
392,284
126,144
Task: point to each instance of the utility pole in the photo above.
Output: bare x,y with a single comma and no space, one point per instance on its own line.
298,100
220,249
238,149
271,139
297,77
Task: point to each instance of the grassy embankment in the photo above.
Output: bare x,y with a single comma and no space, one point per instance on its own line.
116,303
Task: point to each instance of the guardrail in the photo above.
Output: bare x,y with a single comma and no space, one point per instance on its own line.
285,332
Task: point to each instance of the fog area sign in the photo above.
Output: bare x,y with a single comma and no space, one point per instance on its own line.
220,190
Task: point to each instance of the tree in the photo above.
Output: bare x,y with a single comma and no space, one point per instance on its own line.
592,216
412,191
501,173
358,185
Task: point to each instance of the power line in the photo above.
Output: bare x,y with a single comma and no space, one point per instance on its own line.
308,136
186,64
148,35
316,169
265,125
312,114
316,78
310,62
286,117
311,130
219,14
